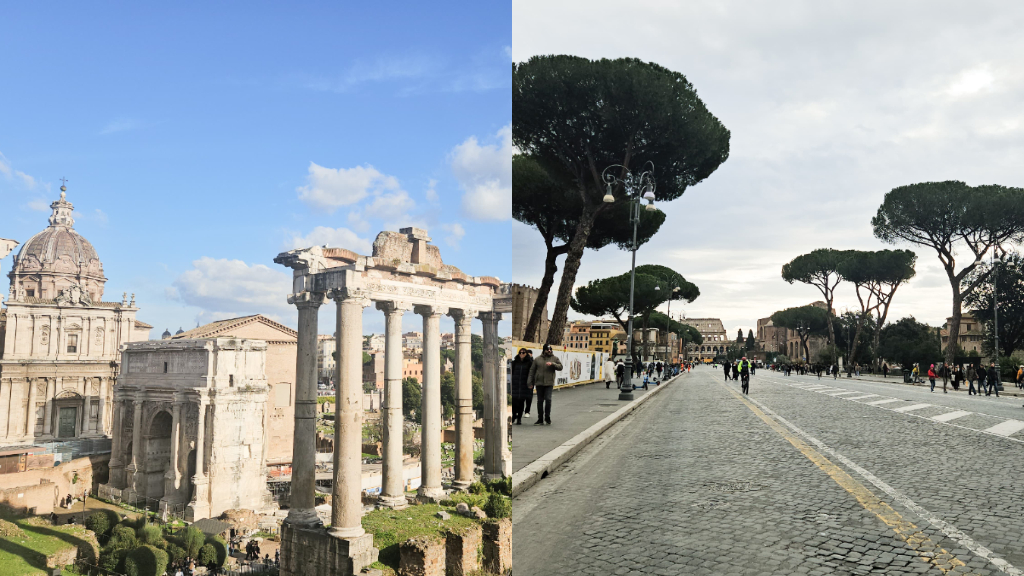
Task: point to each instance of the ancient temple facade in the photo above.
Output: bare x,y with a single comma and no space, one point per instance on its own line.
190,420
59,340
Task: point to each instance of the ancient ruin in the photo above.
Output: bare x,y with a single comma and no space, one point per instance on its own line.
404,274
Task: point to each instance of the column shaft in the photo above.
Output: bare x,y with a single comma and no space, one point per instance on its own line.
430,441
30,414
173,474
463,400
303,496
392,492
494,399
48,409
101,417
346,505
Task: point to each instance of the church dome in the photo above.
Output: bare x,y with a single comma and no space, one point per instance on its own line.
166,335
56,258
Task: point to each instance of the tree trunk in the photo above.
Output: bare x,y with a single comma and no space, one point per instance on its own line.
831,329
532,333
954,329
572,266
643,336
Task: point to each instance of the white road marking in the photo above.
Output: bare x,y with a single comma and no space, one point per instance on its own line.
912,407
886,401
862,397
951,416
948,529
843,392
1006,428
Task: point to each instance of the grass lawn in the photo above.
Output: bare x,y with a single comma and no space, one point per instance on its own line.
22,556
392,527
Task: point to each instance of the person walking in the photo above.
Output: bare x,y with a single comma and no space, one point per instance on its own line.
736,371
916,373
529,397
609,373
885,370
993,380
958,377
982,379
620,373
542,376
519,387
932,376
1020,377
725,368
972,375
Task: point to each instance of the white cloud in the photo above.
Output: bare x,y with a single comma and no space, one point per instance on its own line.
333,237
225,288
38,205
431,193
27,182
485,174
455,233
331,188
120,125
971,82
388,204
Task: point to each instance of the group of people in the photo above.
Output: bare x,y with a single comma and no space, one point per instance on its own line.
529,373
988,380
741,370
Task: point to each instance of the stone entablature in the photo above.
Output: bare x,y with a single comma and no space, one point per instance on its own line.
197,409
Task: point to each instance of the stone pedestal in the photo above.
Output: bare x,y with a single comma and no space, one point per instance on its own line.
313,552
498,546
422,557
461,549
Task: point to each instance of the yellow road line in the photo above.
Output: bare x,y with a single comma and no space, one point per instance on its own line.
916,539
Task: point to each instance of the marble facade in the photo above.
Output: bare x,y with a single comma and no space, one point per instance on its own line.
190,421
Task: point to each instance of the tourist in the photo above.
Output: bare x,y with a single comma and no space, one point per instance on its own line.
542,376
971,375
725,367
885,370
519,387
620,373
735,371
932,376
958,377
744,371
277,557
993,380
916,373
529,397
1020,377
608,372
982,380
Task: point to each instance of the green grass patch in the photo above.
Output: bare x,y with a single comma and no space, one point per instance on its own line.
23,556
392,527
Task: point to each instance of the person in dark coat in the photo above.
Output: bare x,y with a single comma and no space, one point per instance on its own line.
993,380
519,386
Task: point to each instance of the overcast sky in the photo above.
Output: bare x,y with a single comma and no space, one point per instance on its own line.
830,105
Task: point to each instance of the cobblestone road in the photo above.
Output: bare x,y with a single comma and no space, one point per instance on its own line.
852,478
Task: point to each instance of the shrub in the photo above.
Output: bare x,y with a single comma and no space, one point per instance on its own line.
152,535
113,560
498,506
192,541
146,561
99,522
502,486
220,546
175,553
122,538
477,488
207,554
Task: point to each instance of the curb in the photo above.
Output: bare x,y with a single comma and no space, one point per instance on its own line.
530,474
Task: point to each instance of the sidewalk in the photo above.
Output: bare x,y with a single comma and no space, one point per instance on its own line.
578,415
1008,388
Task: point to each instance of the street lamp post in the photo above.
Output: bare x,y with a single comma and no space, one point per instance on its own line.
995,312
637,187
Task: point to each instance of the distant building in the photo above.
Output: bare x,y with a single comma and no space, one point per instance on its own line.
326,359
577,336
601,334
524,299
412,341
972,334
773,340
716,339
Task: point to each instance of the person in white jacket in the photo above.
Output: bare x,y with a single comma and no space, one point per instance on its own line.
608,372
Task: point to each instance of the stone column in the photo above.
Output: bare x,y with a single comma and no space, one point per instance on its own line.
199,508
303,497
30,416
430,441
5,406
346,504
101,408
463,399
392,493
51,384
172,478
494,399
117,445
133,466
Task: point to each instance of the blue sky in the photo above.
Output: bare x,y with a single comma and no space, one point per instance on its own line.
199,140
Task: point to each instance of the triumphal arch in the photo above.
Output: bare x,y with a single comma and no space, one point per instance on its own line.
405,274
